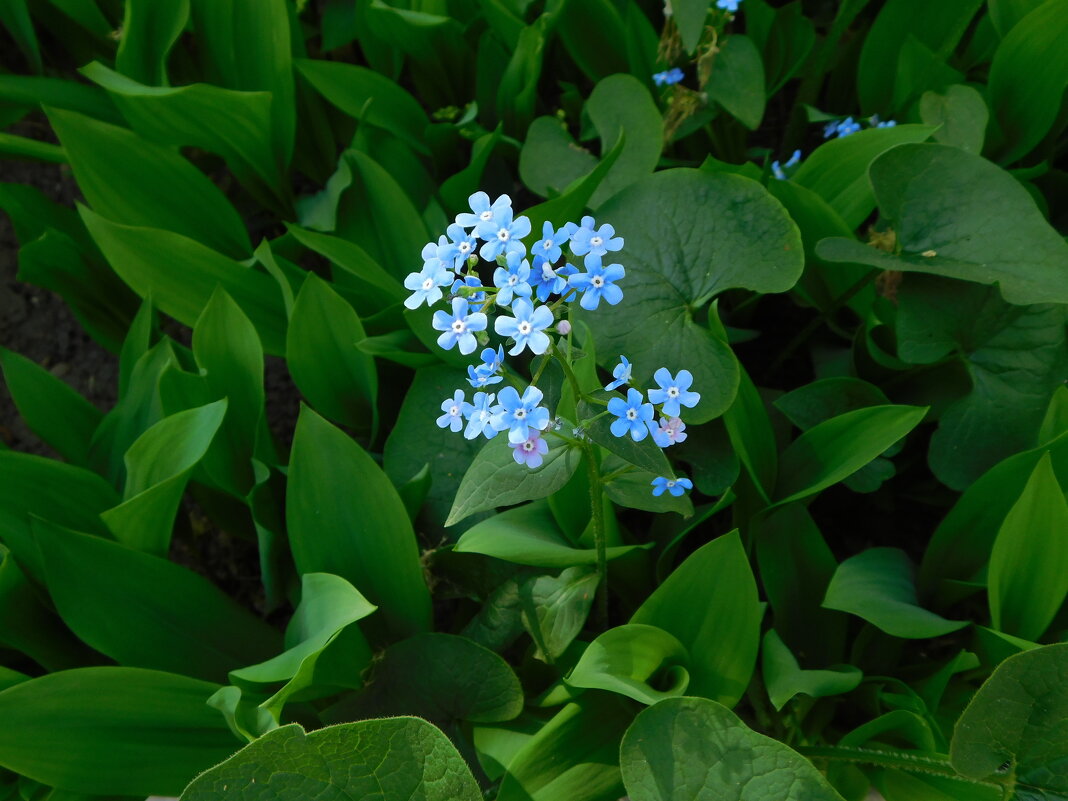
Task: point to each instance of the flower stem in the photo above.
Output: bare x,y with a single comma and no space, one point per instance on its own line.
599,536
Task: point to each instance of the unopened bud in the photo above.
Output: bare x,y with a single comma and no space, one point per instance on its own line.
472,260
483,338
564,327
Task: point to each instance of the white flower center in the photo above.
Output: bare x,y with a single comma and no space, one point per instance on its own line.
459,326
486,215
547,273
454,411
671,483
670,432
597,281
520,414
483,416
596,241
632,414
524,327
512,280
528,446
547,244
429,282
503,234
464,247
673,392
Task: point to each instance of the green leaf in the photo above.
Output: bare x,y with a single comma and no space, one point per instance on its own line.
941,202
149,30
621,106
180,275
158,466
836,448
961,114
51,408
1015,357
112,731
1028,576
693,749
723,636
529,535
440,677
690,16
31,90
144,611
369,97
784,677
345,517
15,16
554,608
22,147
332,374
1018,716
645,454
496,479
737,80
634,490
394,758
751,435
735,235
550,160
878,585
594,35
234,125
120,173
641,662
1028,78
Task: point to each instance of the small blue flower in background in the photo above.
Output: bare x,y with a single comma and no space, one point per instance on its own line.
595,242
503,234
488,372
520,414
476,299
453,407
840,128
548,247
676,486
671,430
483,210
668,77
427,283
728,5
514,281
461,246
530,451
572,228
480,413
547,281
674,392
526,328
598,282
621,373
779,170
877,123
458,327
634,416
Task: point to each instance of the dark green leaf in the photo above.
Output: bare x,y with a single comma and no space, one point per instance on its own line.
620,106
554,609
149,30
961,112
737,80
784,677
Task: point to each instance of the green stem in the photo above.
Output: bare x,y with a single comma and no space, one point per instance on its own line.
597,517
933,764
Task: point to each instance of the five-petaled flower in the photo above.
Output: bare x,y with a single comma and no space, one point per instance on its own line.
482,211
668,77
530,451
633,416
527,328
520,414
598,282
514,281
671,430
502,234
459,327
547,281
461,246
480,414
427,283
595,242
676,486
453,407
621,373
548,247
674,392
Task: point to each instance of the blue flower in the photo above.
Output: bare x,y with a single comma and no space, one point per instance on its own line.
633,415
476,299
547,281
487,372
671,430
728,5
596,242
676,486
520,414
673,391
484,211
621,373
427,283
526,328
453,407
877,123
515,281
503,234
668,77
459,326
573,228
548,246
840,128
480,415
530,451
455,253
779,170
598,282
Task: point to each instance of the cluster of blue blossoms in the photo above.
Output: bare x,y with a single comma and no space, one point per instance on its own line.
526,290
841,128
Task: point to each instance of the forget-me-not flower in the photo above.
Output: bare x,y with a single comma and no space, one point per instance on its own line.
489,371
633,416
728,5
527,328
676,486
480,414
503,234
598,282
674,391
840,128
548,246
530,451
573,228
520,414
453,407
621,373
459,327
427,284
595,242
779,170
470,282
456,251
668,77
671,430
513,281
482,211
546,281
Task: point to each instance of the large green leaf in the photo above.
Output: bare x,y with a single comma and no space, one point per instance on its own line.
345,517
962,115
737,80
554,608
144,611
120,174
388,759
785,678
149,30
641,662
693,749
180,275
957,215
710,604
1019,717
1028,576
711,232
112,731
30,90
1015,356
878,585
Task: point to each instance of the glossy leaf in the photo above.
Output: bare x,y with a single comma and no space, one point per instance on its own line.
554,608
785,678
620,106
641,662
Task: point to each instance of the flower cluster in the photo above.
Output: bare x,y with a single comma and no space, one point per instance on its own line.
841,128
